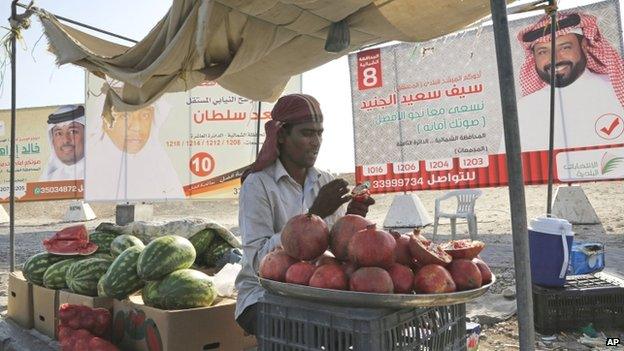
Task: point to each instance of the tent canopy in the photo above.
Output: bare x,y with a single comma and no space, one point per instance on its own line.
250,47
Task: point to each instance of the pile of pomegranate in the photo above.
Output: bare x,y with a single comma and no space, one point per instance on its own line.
357,256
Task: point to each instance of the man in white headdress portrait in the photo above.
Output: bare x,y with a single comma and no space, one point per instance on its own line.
128,161
66,135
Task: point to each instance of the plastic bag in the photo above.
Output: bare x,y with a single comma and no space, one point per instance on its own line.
225,278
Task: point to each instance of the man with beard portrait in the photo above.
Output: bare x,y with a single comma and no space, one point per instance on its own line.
589,81
66,137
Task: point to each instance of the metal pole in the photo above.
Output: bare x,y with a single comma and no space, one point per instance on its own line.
12,153
258,129
551,136
87,26
514,170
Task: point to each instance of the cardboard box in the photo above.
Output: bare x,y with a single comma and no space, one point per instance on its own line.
196,329
45,309
20,301
89,301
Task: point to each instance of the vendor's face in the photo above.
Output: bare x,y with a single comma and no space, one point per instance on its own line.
68,142
131,130
570,57
302,144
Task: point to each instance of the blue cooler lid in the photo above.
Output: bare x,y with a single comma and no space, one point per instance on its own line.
551,225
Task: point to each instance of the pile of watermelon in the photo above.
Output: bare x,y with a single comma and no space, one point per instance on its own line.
73,260
120,265
162,268
164,265
212,250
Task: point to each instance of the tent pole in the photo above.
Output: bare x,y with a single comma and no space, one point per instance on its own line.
551,136
258,129
514,170
87,26
12,153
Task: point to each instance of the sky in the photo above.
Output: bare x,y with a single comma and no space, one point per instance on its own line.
40,82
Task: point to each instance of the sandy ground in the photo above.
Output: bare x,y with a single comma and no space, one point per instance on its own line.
35,221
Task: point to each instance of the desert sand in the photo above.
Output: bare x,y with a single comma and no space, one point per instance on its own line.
35,221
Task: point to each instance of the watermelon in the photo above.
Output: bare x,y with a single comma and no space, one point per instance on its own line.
201,241
100,286
83,276
124,241
70,241
165,255
185,288
54,277
150,293
102,255
216,251
121,277
118,327
36,266
152,336
103,240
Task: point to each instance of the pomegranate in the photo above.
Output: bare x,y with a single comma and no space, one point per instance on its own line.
326,258
418,235
275,264
433,279
342,231
402,278
300,273
464,248
349,267
305,236
486,273
415,265
402,252
372,280
465,274
329,276
427,252
372,248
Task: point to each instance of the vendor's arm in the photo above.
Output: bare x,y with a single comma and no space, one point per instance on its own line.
255,219
330,198
360,207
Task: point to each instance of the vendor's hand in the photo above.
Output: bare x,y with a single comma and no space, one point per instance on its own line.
330,198
360,207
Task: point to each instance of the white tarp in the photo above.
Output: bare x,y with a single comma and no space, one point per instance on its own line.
251,48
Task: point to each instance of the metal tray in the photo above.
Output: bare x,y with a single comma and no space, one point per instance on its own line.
361,299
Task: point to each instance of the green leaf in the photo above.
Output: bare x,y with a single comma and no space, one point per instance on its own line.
612,164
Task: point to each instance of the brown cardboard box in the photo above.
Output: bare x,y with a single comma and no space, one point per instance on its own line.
20,304
89,301
196,329
45,307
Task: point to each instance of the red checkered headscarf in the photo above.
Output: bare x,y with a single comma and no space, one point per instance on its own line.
289,109
602,58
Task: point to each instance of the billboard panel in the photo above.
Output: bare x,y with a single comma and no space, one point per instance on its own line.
428,115
49,158
192,144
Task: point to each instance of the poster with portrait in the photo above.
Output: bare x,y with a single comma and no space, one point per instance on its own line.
436,105
49,157
186,145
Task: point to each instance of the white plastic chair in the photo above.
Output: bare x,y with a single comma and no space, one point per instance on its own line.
466,199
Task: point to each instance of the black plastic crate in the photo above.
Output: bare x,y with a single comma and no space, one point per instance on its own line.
597,299
294,324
